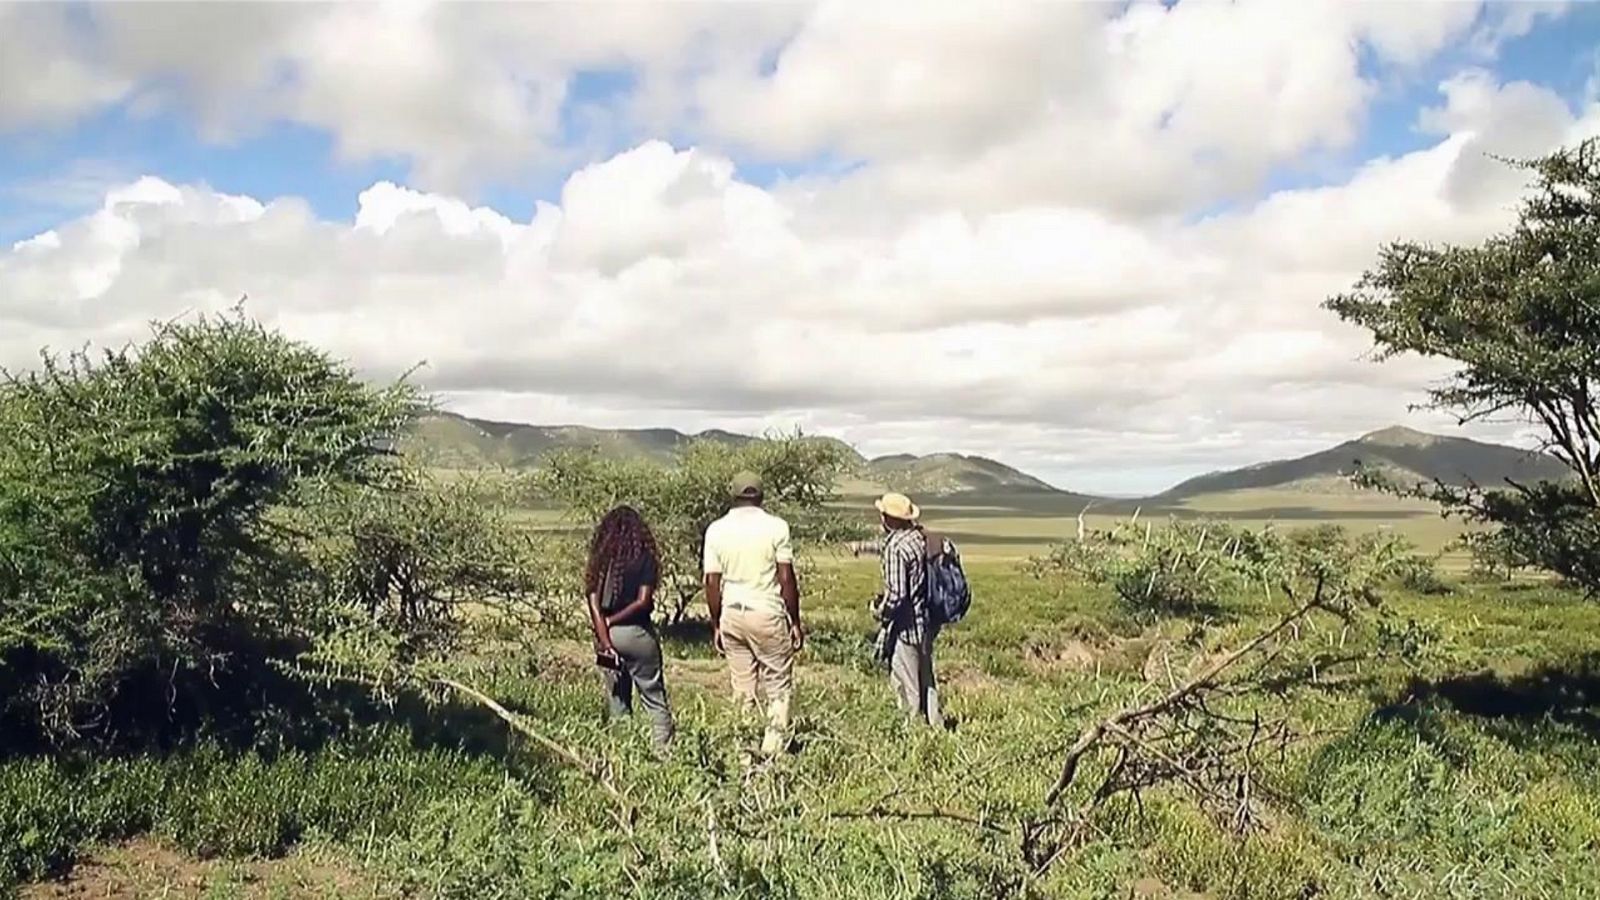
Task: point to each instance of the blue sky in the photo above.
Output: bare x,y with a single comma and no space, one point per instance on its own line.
1067,262
283,158
1561,55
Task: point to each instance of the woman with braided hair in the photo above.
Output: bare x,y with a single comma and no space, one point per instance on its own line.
620,583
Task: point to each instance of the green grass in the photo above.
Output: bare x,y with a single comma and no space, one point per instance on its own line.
1471,772
1006,528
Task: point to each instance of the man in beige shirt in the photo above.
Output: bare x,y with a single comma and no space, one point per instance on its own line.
755,605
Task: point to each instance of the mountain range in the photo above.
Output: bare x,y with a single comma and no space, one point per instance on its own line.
447,440
450,441
1404,454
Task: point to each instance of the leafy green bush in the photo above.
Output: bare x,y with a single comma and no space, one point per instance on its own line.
1189,566
411,574
214,801
1494,555
137,493
1180,568
1420,575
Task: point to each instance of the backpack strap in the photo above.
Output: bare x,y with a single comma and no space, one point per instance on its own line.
935,544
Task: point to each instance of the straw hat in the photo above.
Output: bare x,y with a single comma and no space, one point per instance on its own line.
898,506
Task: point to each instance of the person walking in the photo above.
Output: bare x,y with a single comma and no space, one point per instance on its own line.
907,625
624,566
755,606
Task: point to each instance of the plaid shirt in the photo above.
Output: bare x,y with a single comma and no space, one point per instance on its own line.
903,611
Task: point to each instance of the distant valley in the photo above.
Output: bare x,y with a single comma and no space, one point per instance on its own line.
447,440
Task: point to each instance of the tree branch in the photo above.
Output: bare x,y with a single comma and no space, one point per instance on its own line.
1207,676
625,813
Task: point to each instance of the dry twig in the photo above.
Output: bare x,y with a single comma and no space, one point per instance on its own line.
624,812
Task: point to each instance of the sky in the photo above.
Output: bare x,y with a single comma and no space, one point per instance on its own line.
1090,240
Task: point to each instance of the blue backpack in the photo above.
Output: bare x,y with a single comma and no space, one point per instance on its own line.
949,596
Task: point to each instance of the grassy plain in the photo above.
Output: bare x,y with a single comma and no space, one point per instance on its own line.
1471,770
1016,527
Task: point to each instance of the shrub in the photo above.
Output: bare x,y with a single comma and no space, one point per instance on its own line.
408,574
214,801
1180,568
1187,567
1494,556
136,492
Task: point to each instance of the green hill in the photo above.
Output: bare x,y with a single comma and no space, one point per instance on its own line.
449,441
1407,455
951,474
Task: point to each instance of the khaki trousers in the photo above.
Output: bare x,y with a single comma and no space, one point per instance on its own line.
761,666
916,691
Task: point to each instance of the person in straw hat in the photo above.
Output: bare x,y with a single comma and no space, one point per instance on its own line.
755,605
906,630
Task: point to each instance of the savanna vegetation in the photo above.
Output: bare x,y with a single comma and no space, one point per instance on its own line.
237,624
1519,315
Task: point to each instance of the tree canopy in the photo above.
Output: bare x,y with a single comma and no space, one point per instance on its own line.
1520,315
189,516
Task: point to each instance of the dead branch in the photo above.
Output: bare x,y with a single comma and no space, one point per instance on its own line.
1095,733
712,844
624,811
913,814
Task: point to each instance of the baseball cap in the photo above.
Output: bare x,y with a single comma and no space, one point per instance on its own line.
745,485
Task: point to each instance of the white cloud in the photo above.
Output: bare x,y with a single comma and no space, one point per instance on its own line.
464,93
1130,110
664,288
1138,108
1014,265
1511,121
1514,20
46,76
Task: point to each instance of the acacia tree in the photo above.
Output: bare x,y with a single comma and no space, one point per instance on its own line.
139,492
416,567
680,501
1520,315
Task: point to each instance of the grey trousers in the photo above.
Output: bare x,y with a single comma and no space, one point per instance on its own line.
641,671
916,691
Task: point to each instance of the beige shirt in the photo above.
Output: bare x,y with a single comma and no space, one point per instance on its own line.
745,547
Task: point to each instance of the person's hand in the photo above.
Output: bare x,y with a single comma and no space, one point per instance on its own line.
797,634
716,640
